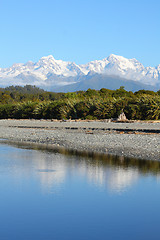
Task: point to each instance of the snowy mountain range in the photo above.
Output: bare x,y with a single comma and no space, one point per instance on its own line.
50,73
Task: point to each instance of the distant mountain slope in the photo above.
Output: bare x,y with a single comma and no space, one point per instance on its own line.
99,81
50,73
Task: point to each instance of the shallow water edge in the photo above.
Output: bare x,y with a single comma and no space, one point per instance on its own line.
144,166
88,137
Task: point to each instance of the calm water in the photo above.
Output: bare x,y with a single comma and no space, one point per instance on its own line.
48,195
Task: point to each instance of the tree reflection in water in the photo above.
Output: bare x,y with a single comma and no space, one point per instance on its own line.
114,173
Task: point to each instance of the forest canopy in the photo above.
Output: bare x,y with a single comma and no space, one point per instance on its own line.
32,102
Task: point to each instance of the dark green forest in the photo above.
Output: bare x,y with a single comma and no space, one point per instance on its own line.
32,102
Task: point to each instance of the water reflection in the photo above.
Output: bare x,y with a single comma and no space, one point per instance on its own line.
122,179
115,174
49,195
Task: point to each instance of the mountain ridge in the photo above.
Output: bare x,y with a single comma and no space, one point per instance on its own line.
99,81
50,73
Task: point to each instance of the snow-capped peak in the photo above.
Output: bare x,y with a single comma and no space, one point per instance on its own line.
113,57
49,57
124,63
48,68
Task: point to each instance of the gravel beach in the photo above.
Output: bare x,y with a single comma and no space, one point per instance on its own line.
138,139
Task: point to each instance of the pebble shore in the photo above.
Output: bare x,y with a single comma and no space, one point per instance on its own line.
137,140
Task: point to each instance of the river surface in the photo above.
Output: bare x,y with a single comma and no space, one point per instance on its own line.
53,196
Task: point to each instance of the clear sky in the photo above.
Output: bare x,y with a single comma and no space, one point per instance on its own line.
79,30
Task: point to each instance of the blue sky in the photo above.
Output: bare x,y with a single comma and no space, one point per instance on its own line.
79,31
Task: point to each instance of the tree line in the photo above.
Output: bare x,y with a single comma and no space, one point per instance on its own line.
32,102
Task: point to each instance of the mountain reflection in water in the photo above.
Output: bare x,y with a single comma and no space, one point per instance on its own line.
51,167
51,193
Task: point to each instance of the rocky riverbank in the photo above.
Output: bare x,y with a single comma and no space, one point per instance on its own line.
138,139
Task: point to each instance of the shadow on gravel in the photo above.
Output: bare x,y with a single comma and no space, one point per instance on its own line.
97,159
